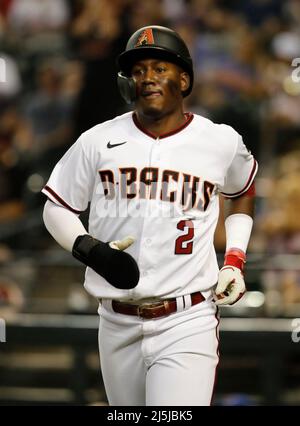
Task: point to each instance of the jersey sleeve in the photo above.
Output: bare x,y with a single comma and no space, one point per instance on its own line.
241,172
72,180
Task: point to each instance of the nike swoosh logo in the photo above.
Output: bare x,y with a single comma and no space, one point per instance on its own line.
109,145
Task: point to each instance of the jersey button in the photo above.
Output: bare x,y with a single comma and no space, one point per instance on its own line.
148,241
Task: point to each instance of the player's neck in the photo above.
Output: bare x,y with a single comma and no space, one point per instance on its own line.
161,124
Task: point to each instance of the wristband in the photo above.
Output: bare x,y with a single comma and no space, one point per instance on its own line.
235,257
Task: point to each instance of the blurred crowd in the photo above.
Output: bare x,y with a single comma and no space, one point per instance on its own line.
60,60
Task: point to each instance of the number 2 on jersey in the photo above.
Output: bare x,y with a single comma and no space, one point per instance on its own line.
184,243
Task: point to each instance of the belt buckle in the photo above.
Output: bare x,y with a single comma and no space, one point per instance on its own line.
141,309
146,310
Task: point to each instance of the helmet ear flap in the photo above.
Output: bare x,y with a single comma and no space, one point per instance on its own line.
127,87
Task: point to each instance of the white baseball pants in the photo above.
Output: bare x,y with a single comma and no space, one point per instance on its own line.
168,361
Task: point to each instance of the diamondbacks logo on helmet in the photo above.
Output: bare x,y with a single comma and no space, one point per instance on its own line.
145,38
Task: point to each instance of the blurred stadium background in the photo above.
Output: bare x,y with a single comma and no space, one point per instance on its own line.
59,58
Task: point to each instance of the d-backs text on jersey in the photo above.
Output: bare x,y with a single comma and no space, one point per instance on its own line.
154,183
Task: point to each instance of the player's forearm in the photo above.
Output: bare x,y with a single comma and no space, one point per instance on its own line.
63,225
108,260
239,223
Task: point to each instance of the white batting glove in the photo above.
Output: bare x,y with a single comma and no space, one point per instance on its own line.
122,244
231,285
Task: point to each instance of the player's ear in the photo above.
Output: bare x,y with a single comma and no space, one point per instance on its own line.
185,81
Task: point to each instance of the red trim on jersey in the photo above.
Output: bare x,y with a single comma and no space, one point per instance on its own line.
189,117
246,187
251,191
218,353
60,200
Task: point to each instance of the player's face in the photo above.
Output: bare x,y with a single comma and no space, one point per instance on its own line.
159,86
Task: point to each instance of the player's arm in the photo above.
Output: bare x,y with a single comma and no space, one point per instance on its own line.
239,190
244,204
107,259
238,225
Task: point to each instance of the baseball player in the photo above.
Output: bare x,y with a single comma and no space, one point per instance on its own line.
153,177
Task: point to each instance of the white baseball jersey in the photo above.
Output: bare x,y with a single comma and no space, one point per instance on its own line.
161,190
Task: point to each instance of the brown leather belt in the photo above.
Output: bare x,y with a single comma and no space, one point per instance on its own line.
153,310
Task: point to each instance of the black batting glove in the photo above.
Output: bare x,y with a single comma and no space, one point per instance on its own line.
108,260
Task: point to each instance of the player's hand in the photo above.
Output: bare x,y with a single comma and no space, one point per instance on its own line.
122,244
231,286
109,260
